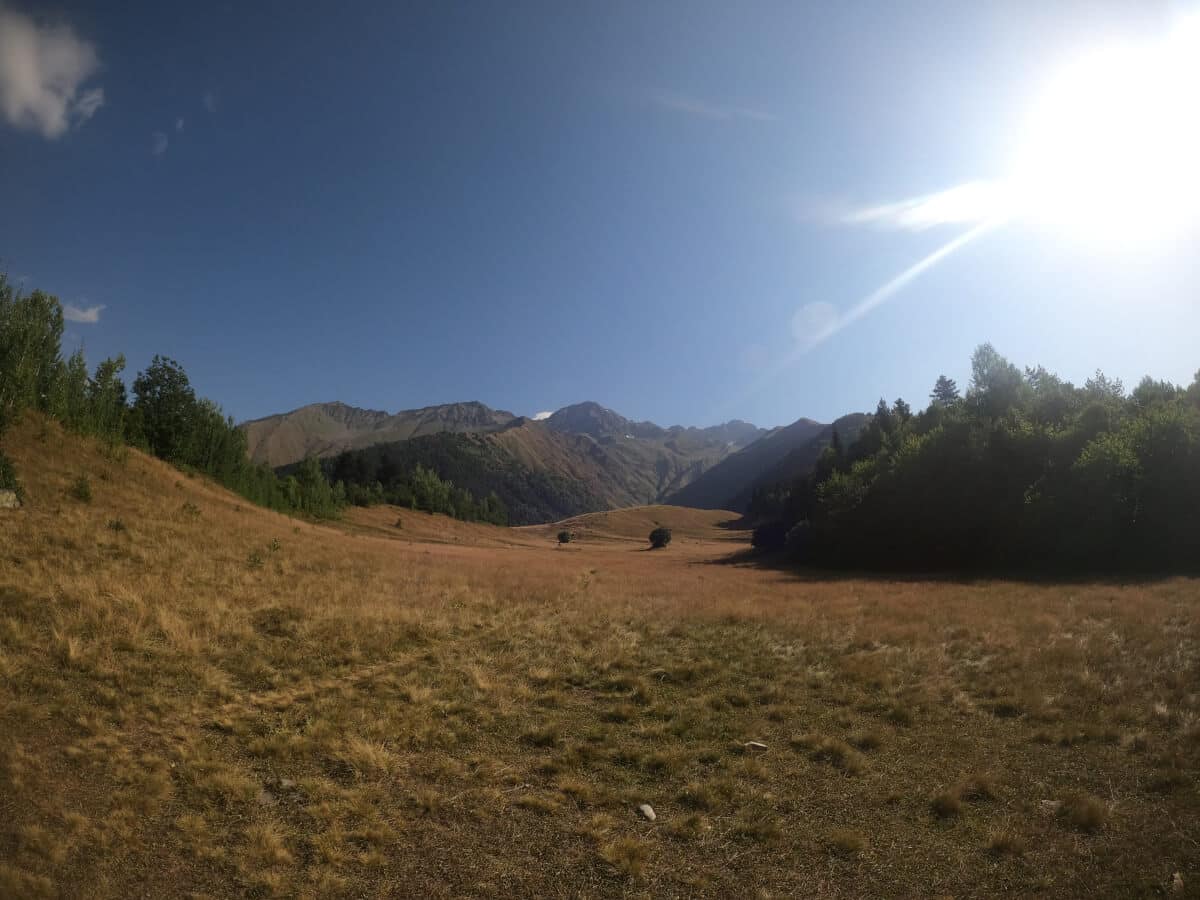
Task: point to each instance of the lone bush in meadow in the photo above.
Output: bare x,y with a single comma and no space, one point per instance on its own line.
660,537
81,489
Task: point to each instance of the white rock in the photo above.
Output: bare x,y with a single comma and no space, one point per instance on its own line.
647,812
8,500
1177,884
756,745
1050,807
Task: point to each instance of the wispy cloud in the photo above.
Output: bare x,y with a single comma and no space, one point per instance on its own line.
179,124
210,101
42,72
86,315
964,204
159,143
538,417
694,106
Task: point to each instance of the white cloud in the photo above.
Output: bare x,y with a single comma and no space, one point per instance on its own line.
88,315
179,124
964,204
158,143
538,417
210,101
42,69
704,109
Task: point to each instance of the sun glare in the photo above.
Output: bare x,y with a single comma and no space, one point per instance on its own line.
1112,150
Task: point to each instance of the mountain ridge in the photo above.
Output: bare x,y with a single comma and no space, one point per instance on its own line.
612,460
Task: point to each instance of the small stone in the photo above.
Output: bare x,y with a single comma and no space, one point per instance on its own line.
1050,807
9,500
266,798
1177,884
756,745
647,812
286,784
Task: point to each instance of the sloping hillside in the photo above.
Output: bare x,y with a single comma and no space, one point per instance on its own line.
718,487
325,429
800,461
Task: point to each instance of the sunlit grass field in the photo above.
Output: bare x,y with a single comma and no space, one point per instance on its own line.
202,698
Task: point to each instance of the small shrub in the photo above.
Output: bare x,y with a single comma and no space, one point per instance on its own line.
946,804
254,560
564,537
399,523
81,489
274,545
1084,812
116,525
191,510
660,537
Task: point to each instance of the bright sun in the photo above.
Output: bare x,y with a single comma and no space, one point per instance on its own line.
1112,150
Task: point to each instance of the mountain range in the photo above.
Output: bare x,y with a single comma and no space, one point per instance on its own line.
607,460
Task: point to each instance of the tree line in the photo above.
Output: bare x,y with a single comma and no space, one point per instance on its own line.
418,488
1025,471
163,417
166,418
466,475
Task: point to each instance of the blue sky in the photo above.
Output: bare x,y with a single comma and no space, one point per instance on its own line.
662,207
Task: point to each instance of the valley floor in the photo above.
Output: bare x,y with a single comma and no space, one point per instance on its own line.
199,697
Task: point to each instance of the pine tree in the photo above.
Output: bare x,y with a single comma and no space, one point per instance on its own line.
945,391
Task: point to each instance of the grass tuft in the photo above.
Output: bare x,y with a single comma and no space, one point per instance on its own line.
627,856
1084,812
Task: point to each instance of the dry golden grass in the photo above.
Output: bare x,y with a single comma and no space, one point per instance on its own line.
217,700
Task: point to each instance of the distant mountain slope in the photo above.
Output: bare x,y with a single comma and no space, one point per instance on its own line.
800,461
325,429
624,470
729,479
482,464
613,461
541,474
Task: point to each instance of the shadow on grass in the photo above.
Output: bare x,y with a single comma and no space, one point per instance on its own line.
780,561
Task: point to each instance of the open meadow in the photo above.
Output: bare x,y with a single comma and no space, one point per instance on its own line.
202,698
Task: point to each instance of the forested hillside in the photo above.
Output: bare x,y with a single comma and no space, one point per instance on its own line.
413,472
164,416
1026,471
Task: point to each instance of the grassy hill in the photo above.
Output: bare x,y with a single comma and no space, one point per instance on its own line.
199,697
